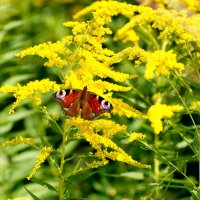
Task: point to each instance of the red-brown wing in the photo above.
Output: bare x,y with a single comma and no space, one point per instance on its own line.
69,100
93,105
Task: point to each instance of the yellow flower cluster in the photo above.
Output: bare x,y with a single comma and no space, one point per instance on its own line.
193,5
162,63
130,36
20,198
33,91
108,127
158,62
96,164
136,136
125,109
158,112
45,152
18,140
195,105
51,51
168,22
103,14
98,133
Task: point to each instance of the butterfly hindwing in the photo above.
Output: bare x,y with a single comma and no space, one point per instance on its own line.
94,105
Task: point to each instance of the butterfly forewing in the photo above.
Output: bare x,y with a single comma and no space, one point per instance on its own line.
69,100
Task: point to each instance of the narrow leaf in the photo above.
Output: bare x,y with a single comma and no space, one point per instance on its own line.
80,176
44,184
32,195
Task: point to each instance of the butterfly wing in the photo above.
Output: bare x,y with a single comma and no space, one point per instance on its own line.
93,105
69,100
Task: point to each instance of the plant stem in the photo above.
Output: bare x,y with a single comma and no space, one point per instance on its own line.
62,162
189,113
198,135
156,166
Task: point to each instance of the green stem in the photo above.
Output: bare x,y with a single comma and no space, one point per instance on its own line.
62,162
189,113
156,167
198,134
148,37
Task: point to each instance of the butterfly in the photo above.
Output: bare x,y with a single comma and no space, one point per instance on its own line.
89,104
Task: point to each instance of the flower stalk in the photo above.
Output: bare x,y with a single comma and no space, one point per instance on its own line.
156,166
62,163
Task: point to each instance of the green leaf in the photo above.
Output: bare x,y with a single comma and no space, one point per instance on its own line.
18,78
32,195
133,175
80,176
44,184
21,114
195,195
13,24
6,127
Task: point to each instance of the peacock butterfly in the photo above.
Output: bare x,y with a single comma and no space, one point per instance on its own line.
91,105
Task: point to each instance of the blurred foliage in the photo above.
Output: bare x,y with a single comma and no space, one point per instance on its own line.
26,23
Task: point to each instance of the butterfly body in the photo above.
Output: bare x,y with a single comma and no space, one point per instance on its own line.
89,104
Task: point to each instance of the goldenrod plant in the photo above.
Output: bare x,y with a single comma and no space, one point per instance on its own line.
127,79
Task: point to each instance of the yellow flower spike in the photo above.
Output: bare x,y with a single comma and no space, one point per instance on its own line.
114,9
116,154
19,140
162,63
91,65
89,131
78,27
49,50
20,198
123,157
104,86
193,5
125,109
130,36
45,152
158,62
81,78
96,164
136,136
33,91
130,52
195,105
158,112
108,127
168,22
